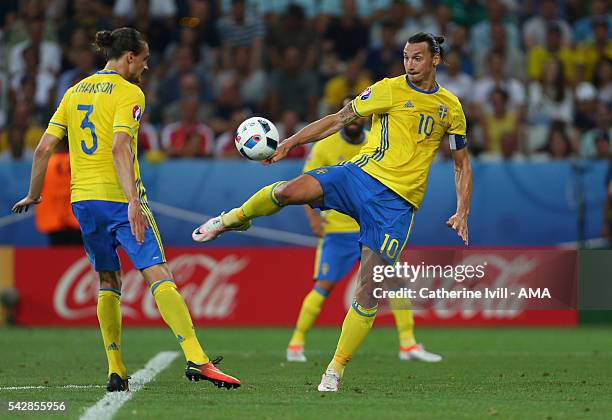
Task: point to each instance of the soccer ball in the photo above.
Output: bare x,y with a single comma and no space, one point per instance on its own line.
256,138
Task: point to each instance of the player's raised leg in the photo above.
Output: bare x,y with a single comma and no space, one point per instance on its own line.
357,323
311,307
175,313
270,199
109,318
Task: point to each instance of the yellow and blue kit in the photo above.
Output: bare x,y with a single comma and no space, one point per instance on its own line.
339,249
90,113
383,185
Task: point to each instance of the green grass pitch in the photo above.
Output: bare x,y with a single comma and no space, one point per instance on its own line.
492,372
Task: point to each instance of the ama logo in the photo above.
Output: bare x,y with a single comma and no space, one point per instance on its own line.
136,113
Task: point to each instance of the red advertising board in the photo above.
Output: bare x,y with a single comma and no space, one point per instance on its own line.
237,286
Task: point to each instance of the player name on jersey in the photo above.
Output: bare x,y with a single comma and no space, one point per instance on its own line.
86,87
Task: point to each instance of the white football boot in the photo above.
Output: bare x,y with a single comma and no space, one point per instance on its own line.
214,227
296,354
330,382
418,352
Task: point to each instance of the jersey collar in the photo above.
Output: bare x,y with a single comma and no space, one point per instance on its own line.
349,140
106,72
434,90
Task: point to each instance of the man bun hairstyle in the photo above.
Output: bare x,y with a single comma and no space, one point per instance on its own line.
434,42
114,44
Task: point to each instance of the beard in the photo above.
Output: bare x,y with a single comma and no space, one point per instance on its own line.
353,130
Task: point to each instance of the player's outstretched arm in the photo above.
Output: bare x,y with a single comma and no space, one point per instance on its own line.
315,131
124,165
463,186
43,152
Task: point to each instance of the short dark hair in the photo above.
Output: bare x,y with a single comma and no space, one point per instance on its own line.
114,44
433,42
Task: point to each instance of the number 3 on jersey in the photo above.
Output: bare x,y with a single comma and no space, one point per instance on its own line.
92,128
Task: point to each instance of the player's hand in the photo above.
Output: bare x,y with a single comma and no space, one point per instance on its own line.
459,224
280,153
23,204
316,225
138,221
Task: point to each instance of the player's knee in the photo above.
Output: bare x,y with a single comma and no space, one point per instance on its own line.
326,286
110,280
285,193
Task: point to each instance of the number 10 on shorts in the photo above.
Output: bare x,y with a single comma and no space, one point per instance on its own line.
389,247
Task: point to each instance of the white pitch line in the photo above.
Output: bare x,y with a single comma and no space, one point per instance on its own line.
107,406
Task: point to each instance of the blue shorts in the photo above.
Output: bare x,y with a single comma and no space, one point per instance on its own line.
105,226
337,253
385,218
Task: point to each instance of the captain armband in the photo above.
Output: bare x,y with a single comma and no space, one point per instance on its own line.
457,141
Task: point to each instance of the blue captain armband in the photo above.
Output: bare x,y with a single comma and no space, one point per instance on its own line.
457,141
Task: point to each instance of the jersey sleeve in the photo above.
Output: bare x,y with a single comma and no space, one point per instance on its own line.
457,128
315,158
375,99
58,124
128,112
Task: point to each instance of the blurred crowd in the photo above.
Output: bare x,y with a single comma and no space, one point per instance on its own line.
534,77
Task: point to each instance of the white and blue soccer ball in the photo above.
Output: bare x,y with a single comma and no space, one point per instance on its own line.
256,138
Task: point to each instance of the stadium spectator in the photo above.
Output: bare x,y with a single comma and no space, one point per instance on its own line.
48,52
293,30
586,104
403,15
513,57
239,29
44,81
88,15
182,64
188,138
588,148
225,146
288,125
602,145
441,23
558,143
202,16
535,28
539,55
153,18
459,41
148,136
584,27
501,120
188,88
509,149
606,231
453,79
53,216
350,83
252,83
23,127
83,62
496,78
293,88
603,80
347,35
497,11
547,101
14,145
379,60
599,48
159,9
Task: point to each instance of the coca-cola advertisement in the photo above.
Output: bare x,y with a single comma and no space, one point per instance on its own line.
265,286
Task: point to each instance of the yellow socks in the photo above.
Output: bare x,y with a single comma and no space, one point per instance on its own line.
109,317
355,328
308,315
262,203
404,322
175,313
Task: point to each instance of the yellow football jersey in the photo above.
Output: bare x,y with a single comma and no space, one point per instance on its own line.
328,152
407,127
90,113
